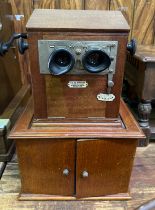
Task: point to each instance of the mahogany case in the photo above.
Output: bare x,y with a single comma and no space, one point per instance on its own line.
53,99
66,161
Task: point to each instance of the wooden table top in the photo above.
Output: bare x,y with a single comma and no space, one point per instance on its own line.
145,53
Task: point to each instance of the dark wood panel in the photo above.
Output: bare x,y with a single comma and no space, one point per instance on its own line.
97,4
108,163
9,66
143,22
42,163
113,107
22,11
38,82
63,101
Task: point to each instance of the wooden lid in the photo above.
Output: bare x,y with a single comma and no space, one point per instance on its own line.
77,20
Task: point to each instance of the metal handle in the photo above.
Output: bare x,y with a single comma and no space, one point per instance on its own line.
85,174
4,46
66,172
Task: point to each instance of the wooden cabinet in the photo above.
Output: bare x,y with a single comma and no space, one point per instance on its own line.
81,168
75,161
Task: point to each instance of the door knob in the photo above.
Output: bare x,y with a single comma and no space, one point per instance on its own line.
65,172
85,174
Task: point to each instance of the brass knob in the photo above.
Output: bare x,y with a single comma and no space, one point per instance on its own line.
65,172
85,174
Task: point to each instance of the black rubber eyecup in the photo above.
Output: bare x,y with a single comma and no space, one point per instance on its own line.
60,62
95,61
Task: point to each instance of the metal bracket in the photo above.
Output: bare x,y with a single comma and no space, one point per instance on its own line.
110,82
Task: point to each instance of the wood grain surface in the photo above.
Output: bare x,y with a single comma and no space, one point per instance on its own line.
9,64
143,22
39,92
46,4
45,175
56,20
97,4
127,9
63,101
145,53
71,4
108,160
23,7
108,163
142,187
138,13
77,129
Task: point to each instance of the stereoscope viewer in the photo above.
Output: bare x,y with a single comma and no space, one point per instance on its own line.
77,140
77,62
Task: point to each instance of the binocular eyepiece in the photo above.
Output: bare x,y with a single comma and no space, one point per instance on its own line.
62,61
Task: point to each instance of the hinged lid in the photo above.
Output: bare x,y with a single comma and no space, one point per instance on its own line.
77,20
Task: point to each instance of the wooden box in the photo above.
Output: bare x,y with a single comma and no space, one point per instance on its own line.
66,161
140,90
53,99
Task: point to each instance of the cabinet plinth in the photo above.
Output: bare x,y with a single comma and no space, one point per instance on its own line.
77,160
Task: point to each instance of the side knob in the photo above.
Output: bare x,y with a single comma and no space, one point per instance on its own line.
85,174
131,46
22,46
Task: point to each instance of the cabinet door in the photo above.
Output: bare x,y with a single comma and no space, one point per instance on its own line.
104,166
47,166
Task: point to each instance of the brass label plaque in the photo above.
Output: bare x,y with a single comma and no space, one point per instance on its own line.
77,84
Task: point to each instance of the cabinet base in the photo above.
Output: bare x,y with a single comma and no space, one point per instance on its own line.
37,197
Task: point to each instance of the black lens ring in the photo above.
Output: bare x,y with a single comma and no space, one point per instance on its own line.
99,68
56,69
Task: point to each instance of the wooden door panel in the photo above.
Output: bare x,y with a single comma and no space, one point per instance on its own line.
42,163
108,163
